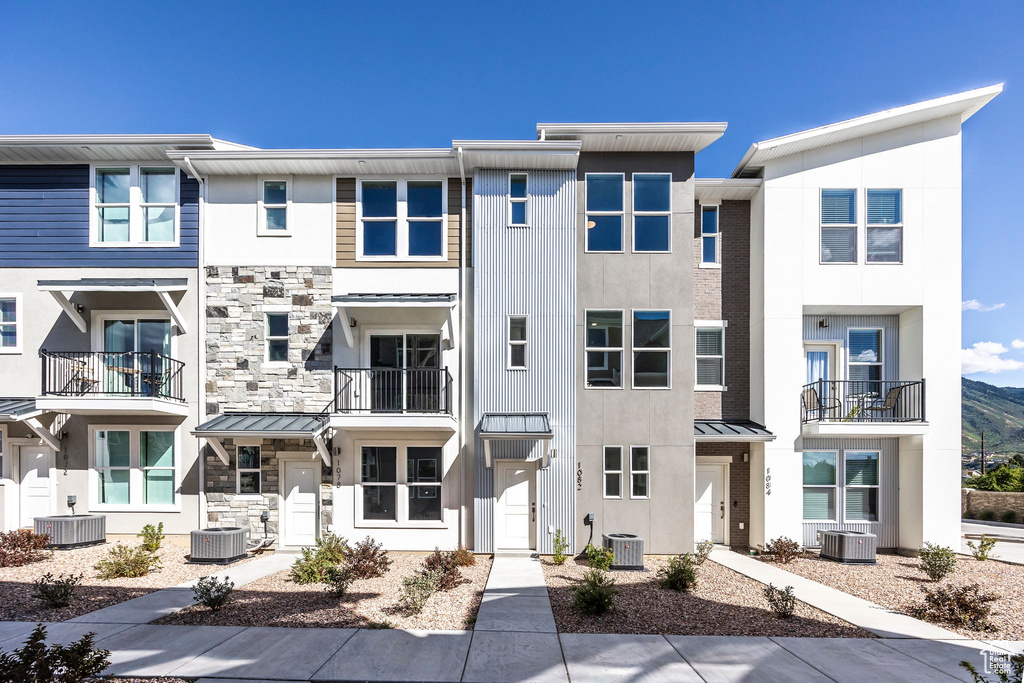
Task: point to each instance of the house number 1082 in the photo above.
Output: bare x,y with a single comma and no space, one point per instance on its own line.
768,481
579,476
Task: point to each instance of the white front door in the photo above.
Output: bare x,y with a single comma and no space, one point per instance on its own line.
301,491
515,506
709,508
35,463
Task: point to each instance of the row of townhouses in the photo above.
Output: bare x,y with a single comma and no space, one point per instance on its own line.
492,342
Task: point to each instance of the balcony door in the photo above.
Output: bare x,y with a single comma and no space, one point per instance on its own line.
404,373
820,360
136,356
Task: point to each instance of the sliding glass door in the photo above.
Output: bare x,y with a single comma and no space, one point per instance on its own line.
136,356
404,372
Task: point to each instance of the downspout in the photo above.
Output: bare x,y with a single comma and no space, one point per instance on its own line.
201,336
462,354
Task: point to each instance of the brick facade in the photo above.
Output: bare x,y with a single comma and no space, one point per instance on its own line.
739,489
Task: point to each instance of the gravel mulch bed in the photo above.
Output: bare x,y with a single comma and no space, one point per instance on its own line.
895,582
725,603
17,603
276,600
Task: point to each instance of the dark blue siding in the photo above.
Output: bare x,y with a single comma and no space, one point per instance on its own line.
44,223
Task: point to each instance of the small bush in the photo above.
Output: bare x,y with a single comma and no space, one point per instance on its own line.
447,568
379,625
35,662
463,557
1015,669
369,559
335,549
983,549
417,589
128,562
1008,517
782,601
311,567
987,516
969,514
599,558
703,552
339,578
937,561
561,547
213,592
964,606
22,546
595,595
152,537
56,592
680,574
782,550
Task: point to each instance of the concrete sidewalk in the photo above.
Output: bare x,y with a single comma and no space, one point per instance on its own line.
1009,547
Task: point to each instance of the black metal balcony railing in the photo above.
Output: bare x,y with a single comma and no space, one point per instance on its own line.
863,401
392,390
143,374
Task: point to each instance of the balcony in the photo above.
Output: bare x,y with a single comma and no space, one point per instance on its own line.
104,382
386,398
868,408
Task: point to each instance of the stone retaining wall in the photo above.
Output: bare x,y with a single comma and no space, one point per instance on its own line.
997,501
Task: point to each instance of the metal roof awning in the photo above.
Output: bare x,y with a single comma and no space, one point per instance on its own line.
724,430
161,286
265,425
516,427
25,410
343,302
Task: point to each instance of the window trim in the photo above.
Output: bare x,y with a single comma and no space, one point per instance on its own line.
402,220
835,486
868,227
519,200
877,487
19,327
587,214
401,485
881,353
136,216
634,350
261,217
605,472
516,342
258,469
136,477
822,226
605,349
636,213
275,308
717,263
709,325
646,472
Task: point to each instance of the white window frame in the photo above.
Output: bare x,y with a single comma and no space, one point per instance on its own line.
646,473
877,487
881,354
136,216
721,325
275,309
136,480
717,206
519,200
635,350
401,484
587,214
402,219
605,349
822,226
258,470
99,317
636,213
868,227
517,342
605,472
839,469
261,217
18,323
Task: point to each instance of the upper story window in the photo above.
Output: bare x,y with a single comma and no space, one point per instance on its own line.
277,336
604,349
710,236
516,341
652,343
401,220
865,355
134,205
652,212
884,226
710,347
10,323
604,212
839,226
517,198
273,206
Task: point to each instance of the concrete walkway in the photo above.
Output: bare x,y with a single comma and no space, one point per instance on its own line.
1010,544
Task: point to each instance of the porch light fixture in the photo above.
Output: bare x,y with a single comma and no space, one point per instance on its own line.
823,322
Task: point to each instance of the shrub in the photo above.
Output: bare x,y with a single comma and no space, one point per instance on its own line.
463,557
599,558
124,561
1016,669
21,547
379,625
213,592
1008,517
369,559
703,552
782,550
339,577
35,662
595,595
969,514
983,549
680,574
152,537
560,546
937,561
417,589
782,601
311,567
446,567
335,549
987,516
1006,477
964,606
56,592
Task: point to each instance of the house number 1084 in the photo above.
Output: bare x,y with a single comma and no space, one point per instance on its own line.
768,481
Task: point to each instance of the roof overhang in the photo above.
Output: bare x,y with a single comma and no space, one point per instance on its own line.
161,286
265,426
437,161
725,189
561,155
49,149
963,105
516,427
635,137
345,302
742,431
25,410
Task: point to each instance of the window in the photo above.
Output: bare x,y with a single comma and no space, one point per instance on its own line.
652,335
274,197
10,323
517,341
423,476
401,219
134,206
861,490
517,198
134,466
640,472
710,346
865,356
400,485
277,337
247,469
380,481
613,471
839,226
710,241
885,226
604,349
820,485
652,212
604,211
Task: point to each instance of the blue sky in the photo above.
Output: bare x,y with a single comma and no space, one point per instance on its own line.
419,74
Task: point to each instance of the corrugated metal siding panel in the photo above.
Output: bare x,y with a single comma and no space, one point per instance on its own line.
44,223
529,271
887,526
839,326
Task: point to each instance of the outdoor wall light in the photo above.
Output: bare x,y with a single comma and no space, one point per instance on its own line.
823,322
746,457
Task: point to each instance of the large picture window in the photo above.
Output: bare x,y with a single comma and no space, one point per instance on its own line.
134,467
820,485
135,206
652,212
604,212
884,226
849,497
401,485
401,220
652,342
604,349
839,226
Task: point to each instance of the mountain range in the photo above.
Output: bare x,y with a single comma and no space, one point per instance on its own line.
998,411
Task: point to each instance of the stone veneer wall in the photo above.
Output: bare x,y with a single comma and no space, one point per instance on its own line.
739,489
998,502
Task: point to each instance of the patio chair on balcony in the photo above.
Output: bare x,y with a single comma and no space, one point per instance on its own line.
892,398
823,405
